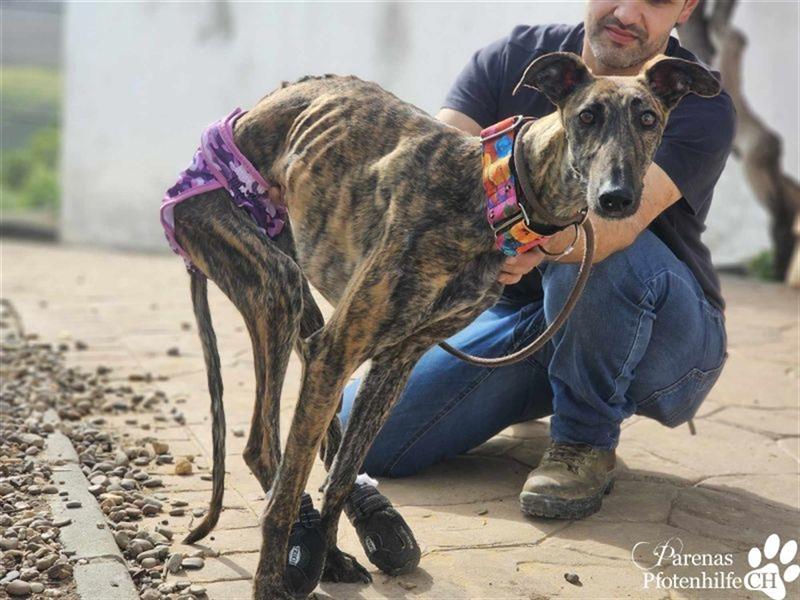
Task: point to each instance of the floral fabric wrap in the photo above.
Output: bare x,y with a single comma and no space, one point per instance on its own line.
219,164
503,209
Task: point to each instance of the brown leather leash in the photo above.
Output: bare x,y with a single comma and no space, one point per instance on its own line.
539,342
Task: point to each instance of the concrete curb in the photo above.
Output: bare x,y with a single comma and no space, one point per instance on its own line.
105,574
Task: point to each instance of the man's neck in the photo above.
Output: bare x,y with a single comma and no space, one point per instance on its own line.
598,68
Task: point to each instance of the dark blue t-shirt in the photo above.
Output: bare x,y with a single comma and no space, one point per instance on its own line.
693,151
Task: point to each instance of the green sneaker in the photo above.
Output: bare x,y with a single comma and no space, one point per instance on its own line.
569,482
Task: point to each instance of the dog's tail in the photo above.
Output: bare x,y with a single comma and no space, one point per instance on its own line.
208,339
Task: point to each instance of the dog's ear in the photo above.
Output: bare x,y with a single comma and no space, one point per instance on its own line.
556,75
670,79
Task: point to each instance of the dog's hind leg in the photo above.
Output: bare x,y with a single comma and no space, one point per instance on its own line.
271,351
265,286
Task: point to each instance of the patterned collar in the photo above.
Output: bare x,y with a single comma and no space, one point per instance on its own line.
506,214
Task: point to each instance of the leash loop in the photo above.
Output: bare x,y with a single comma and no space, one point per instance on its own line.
566,250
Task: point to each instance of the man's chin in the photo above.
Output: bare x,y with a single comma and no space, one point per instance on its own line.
614,57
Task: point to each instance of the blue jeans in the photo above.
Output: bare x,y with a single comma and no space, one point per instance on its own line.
642,339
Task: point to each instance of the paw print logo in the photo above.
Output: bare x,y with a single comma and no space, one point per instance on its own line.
771,577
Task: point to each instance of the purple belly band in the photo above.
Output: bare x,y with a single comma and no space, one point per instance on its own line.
218,164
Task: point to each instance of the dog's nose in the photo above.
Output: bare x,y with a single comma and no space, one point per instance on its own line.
616,200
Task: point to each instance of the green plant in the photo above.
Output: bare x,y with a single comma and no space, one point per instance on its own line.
29,175
762,266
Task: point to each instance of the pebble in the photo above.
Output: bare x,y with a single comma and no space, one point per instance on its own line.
45,563
121,459
177,512
136,547
18,588
238,432
9,543
149,563
122,539
159,447
174,563
158,539
36,587
32,439
193,563
573,578
197,590
99,480
183,467
74,504
59,571
150,594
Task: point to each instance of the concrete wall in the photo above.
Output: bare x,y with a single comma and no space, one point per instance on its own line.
143,79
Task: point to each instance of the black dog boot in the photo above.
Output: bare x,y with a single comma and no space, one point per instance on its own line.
305,557
387,539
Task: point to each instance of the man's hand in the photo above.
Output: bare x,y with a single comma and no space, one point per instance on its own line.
514,267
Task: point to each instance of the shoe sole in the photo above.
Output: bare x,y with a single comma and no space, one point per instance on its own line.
553,507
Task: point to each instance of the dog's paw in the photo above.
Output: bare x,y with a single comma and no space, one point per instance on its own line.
304,559
341,567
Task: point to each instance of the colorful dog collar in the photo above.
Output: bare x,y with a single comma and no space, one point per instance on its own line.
505,213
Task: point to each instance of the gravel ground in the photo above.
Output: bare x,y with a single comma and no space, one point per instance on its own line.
34,381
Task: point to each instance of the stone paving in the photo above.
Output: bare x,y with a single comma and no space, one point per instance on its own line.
721,492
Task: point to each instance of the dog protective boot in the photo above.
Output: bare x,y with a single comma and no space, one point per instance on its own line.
569,482
386,537
305,557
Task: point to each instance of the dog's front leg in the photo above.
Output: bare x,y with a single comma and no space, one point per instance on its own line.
378,392
324,376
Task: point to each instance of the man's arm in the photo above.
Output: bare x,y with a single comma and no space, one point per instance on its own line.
611,236
459,120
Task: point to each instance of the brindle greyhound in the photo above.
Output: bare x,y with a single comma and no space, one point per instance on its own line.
388,222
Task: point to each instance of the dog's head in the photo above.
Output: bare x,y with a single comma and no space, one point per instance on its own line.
614,124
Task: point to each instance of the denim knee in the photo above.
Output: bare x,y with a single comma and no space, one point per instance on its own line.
625,271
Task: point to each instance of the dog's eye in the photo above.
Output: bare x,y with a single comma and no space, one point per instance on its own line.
648,119
586,117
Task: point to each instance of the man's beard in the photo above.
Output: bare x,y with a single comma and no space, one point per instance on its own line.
616,57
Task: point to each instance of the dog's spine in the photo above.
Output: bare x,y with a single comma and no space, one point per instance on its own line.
202,313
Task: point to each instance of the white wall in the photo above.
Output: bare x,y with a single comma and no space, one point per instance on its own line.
142,80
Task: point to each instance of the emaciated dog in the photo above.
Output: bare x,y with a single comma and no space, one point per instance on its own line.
387,218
